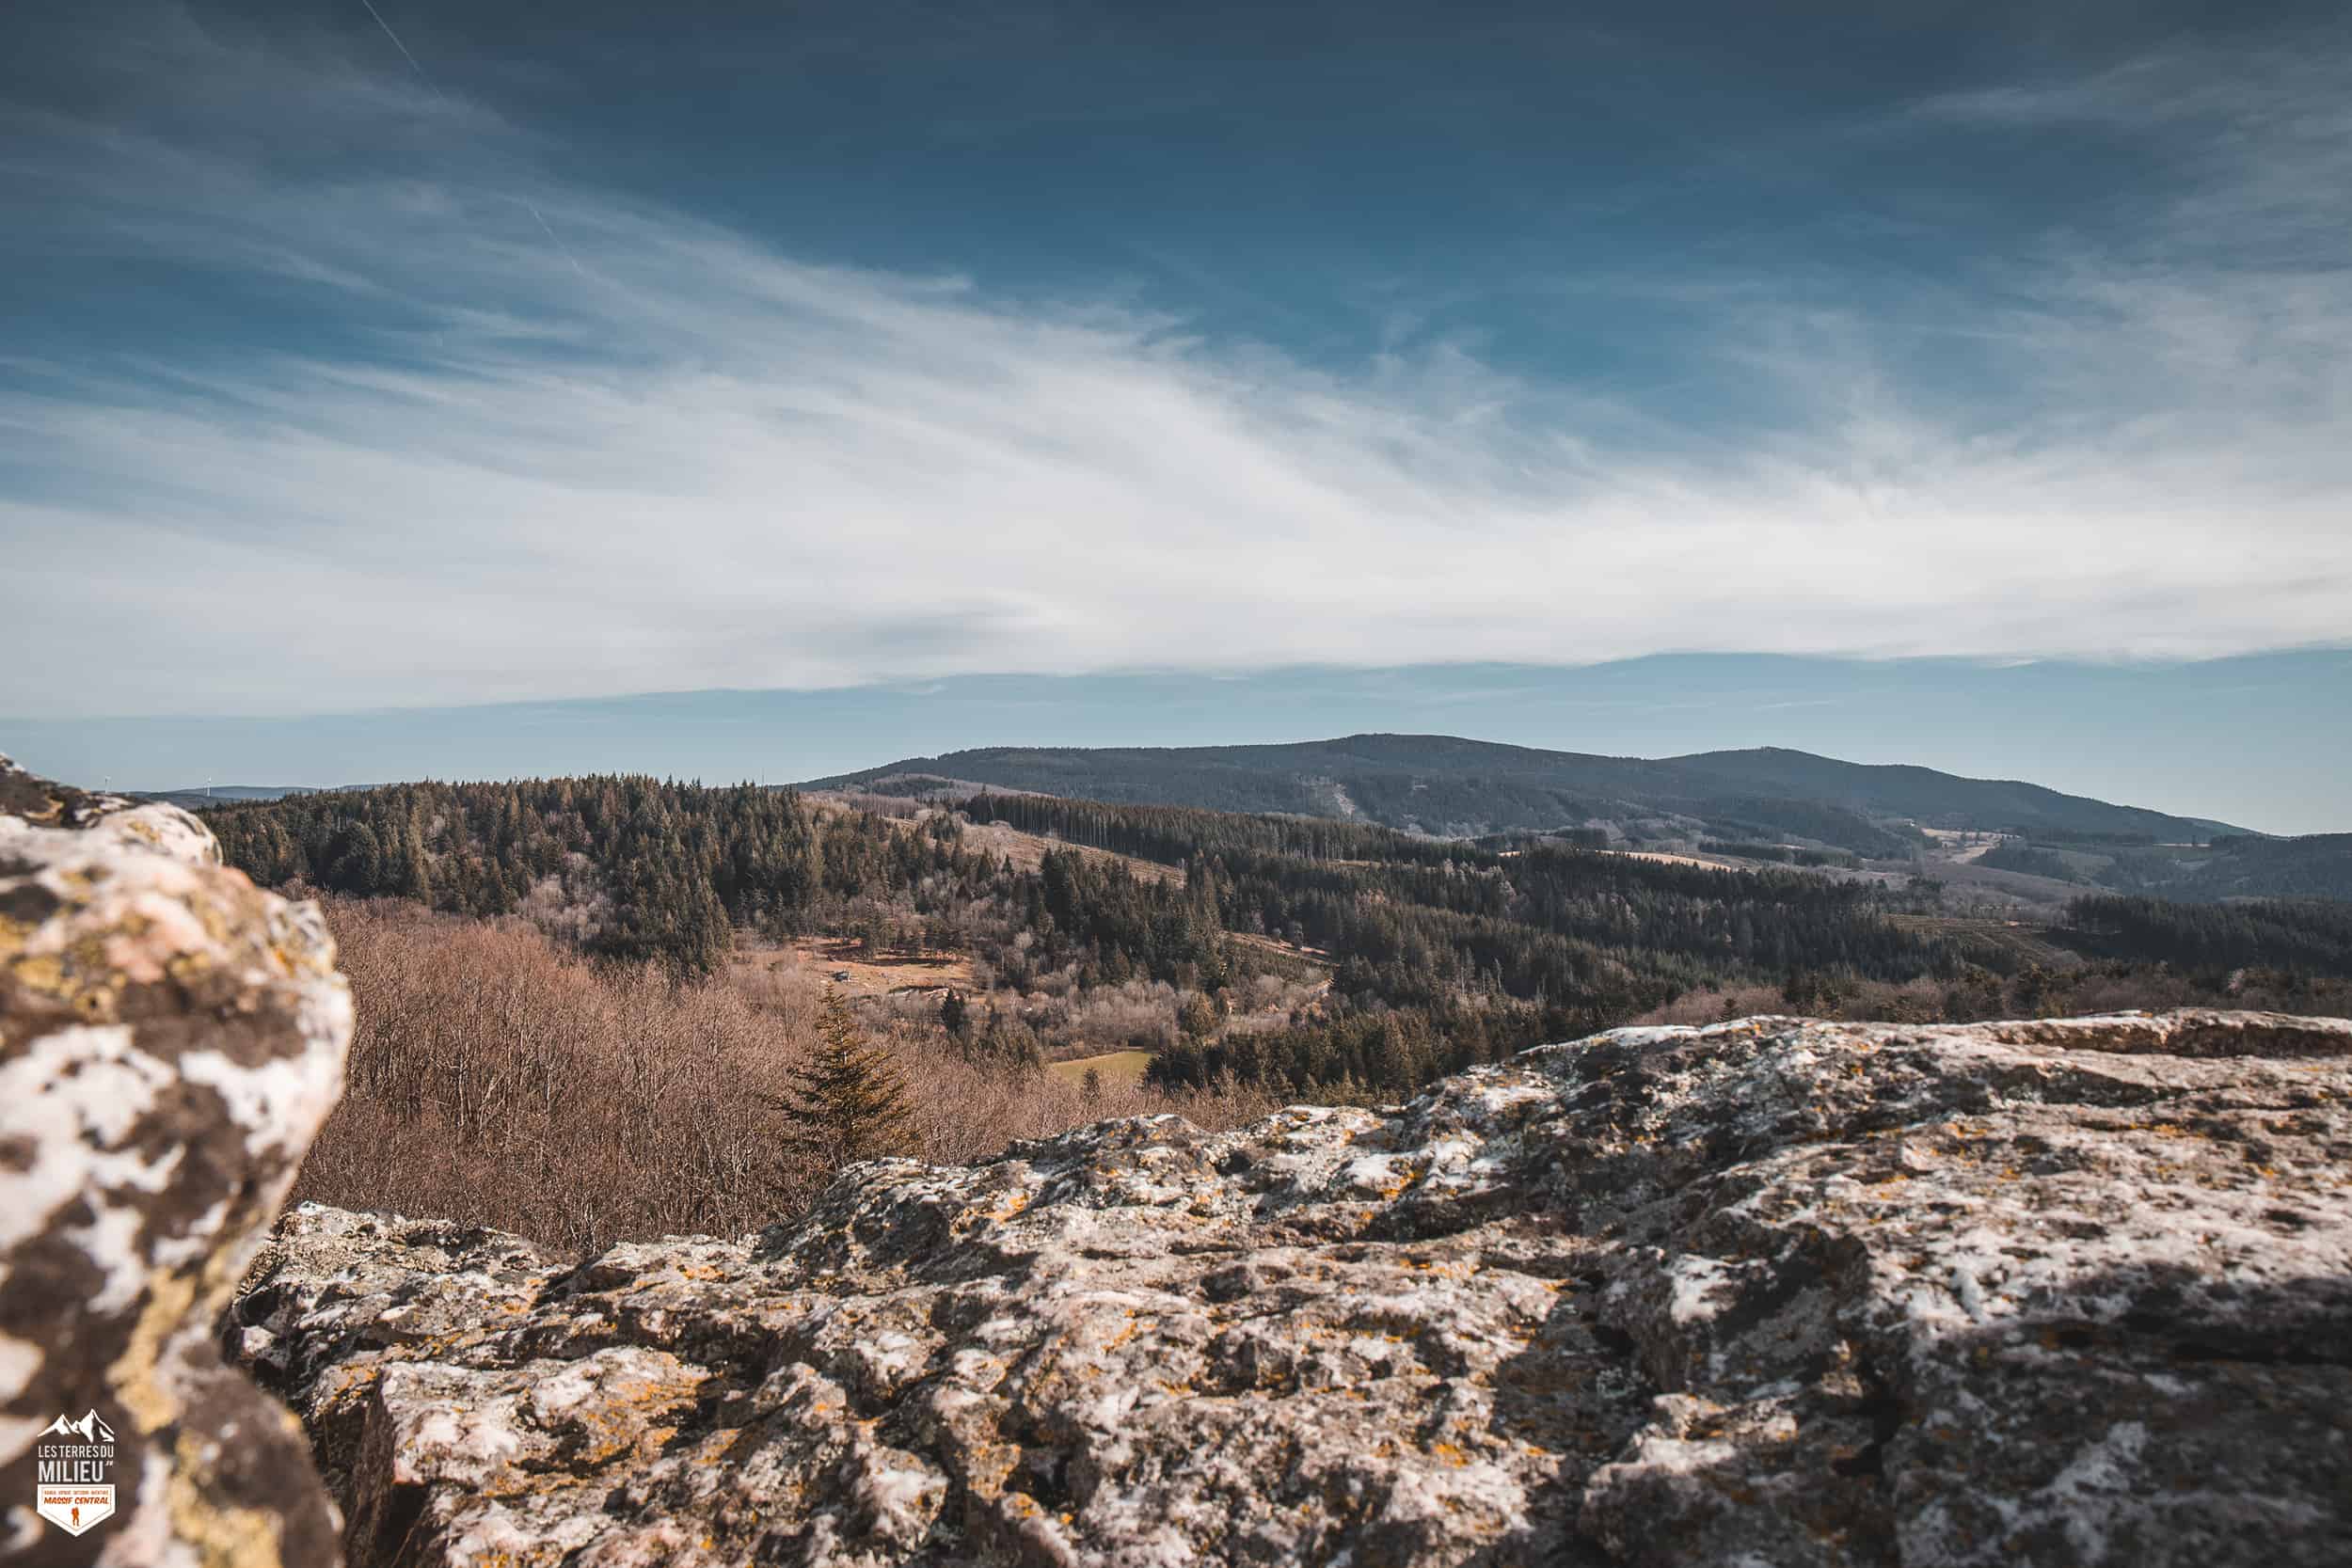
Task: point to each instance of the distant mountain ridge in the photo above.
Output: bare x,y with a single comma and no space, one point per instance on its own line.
203,796
1450,787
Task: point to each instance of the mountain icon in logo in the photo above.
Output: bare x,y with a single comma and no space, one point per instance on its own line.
89,1428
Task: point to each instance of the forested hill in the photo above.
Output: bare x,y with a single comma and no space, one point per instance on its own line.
1290,950
1449,786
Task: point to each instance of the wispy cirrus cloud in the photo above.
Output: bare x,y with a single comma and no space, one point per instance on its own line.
499,433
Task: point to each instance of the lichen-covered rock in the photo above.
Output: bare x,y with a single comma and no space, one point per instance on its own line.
1771,1293
170,1040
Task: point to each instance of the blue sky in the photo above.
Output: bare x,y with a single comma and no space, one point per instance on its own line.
2232,739
556,352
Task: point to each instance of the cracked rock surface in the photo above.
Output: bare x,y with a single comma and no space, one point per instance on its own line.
1772,1293
170,1040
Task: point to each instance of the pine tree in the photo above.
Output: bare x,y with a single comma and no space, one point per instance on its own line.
849,1103
415,869
1197,1018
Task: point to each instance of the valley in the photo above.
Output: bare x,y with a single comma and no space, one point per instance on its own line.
1033,961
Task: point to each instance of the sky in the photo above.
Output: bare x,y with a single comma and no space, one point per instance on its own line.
438,354
2240,743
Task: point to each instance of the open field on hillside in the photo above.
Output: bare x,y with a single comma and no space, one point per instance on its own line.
1961,847
878,975
1001,840
1314,957
1664,859
2029,941
1119,1069
2043,894
1027,851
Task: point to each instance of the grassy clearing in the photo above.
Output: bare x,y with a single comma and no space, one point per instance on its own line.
2028,941
1121,1069
1964,847
878,975
1027,851
1664,859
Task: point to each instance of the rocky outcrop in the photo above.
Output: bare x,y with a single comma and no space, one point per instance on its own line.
1770,1292
170,1040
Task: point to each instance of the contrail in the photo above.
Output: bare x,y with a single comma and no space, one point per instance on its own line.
402,47
434,87
551,236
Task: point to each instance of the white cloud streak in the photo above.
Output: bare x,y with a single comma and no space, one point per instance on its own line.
664,456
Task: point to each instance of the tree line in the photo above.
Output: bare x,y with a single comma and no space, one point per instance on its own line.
2311,936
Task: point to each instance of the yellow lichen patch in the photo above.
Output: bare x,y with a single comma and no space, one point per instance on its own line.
213,918
187,968
223,1537
133,1375
618,1423
41,972
986,1465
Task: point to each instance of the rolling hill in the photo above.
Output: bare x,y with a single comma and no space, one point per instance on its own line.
1453,787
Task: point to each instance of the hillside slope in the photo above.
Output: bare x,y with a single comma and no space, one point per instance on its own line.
2232,867
1937,800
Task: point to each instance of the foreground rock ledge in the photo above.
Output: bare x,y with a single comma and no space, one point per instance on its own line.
1772,1293
170,1039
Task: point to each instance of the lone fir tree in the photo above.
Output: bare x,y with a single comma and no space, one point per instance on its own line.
849,1103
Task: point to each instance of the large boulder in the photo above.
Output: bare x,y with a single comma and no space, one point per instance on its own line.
170,1039
1771,1293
